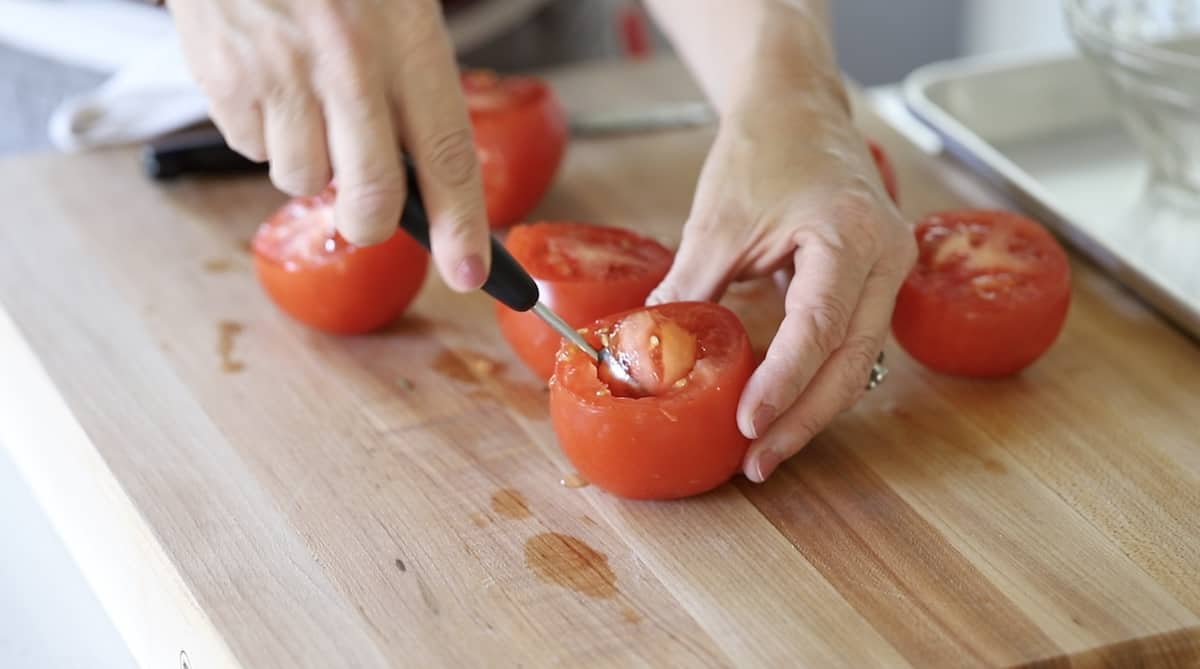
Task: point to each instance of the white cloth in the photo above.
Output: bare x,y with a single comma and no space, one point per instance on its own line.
150,92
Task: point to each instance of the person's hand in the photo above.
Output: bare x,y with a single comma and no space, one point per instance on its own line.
789,186
335,89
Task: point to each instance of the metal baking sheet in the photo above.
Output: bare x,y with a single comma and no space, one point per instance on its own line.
1045,132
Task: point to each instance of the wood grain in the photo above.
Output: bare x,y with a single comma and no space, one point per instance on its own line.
253,493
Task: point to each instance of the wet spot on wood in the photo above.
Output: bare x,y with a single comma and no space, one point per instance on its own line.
227,332
630,615
994,466
466,366
476,369
568,562
510,504
574,480
400,565
217,265
478,519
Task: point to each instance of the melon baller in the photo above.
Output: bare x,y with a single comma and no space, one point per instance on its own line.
507,281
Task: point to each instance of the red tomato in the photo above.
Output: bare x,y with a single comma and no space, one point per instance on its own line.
682,439
322,280
584,272
886,172
520,135
988,296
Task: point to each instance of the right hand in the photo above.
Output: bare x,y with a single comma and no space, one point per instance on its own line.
324,89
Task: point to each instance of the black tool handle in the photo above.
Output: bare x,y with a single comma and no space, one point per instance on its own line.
204,151
196,151
508,282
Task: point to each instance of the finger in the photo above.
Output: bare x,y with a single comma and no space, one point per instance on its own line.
437,132
703,267
819,304
838,385
366,161
242,128
295,136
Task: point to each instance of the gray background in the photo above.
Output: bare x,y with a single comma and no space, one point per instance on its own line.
878,42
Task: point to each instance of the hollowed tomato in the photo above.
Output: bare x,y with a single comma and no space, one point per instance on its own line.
584,272
988,296
520,136
676,439
324,281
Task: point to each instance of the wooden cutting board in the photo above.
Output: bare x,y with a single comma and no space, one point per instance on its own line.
242,491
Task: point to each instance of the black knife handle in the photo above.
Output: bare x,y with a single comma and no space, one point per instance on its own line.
204,151
508,282
196,151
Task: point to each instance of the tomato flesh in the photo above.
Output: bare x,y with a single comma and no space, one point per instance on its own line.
584,272
320,279
520,136
681,440
988,296
656,351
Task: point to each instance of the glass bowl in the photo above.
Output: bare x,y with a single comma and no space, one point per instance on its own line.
1148,52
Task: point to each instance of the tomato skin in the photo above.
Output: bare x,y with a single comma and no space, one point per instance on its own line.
578,300
681,443
944,317
886,172
520,137
349,290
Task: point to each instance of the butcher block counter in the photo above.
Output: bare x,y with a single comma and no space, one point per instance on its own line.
242,491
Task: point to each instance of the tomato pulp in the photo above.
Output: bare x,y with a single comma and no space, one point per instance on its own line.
988,296
681,438
584,272
324,281
520,136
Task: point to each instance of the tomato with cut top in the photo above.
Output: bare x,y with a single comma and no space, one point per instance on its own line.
988,296
886,172
674,433
520,136
324,281
584,272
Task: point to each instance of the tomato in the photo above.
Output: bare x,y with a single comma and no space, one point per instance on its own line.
886,172
584,272
988,296
324,281
681,439
520,135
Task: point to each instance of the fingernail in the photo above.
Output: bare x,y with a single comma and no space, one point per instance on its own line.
470,273
768,460
763,416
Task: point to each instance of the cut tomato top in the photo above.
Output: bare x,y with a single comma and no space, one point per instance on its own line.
708,343
488,92
990,260
578,252
302,233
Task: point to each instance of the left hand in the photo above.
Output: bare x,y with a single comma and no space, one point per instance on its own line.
789,186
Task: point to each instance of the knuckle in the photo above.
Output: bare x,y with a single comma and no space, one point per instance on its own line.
298,179
803,430
828,321
374,203
452,157
859,227
860,355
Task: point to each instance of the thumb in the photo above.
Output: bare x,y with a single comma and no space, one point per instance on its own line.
703,266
